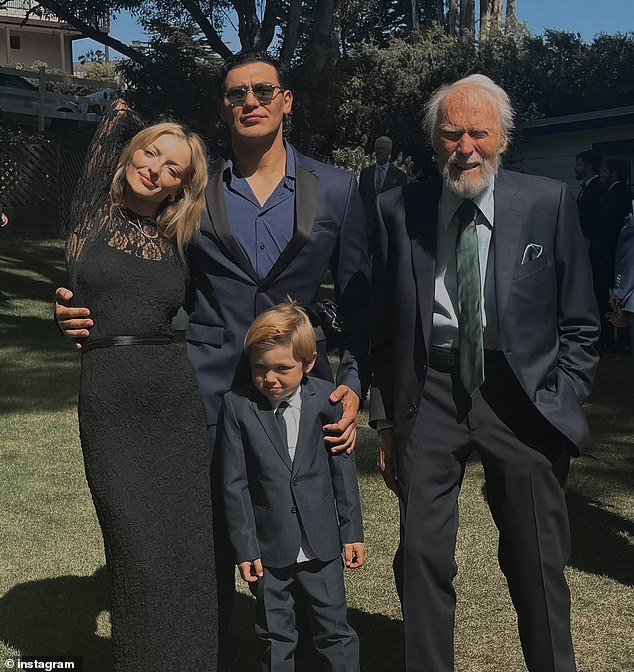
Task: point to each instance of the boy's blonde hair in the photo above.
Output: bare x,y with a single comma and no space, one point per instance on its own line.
283,324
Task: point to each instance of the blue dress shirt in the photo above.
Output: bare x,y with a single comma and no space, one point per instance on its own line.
262,231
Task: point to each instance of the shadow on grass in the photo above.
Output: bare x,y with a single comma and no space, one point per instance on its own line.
38,367
380,640
31,268
601,540
58,617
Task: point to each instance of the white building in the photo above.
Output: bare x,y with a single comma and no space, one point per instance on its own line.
40,39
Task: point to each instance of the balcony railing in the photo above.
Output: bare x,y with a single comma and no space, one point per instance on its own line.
19,9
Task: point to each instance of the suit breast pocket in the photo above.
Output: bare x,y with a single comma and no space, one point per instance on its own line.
531,267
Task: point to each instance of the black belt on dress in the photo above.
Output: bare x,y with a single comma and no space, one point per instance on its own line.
443,359
113,341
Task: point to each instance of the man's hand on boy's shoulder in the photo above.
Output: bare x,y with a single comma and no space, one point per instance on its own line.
354,554
251,570
342,435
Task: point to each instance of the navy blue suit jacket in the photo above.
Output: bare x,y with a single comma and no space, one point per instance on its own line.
228,294
547,314
266,494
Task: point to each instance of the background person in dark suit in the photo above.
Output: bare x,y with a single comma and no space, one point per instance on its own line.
622,292
485,333
275,222
375,179
587,167
613,209
291,505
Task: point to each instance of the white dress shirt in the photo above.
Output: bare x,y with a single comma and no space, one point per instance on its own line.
445,319
291,416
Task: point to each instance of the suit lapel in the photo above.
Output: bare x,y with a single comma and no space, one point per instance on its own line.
508,225
266,417
421,215
217,209
307,417
389,175
306,197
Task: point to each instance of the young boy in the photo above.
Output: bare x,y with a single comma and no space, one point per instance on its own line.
290,504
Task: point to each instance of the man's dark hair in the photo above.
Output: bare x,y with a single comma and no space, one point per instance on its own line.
591,158
618,166
246,57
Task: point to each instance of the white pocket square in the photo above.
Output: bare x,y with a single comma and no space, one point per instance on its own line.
533,251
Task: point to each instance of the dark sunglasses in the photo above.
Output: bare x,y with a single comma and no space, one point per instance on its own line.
263,92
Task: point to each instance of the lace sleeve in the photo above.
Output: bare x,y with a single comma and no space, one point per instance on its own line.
91,199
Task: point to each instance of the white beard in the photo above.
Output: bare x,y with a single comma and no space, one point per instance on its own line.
466,186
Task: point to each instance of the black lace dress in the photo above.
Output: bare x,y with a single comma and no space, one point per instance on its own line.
142,429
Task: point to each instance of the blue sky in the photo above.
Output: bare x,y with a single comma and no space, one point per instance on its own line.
587,17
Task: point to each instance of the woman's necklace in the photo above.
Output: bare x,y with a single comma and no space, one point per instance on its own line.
137,225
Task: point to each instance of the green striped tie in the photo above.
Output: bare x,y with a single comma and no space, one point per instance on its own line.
469,310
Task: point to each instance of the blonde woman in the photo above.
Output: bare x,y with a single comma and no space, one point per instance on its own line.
142,426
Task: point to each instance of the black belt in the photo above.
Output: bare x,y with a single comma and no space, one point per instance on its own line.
113,341
443,359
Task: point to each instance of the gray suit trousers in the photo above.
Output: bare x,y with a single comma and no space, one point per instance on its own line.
526,465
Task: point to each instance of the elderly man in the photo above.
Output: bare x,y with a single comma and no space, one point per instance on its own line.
375,179
485,340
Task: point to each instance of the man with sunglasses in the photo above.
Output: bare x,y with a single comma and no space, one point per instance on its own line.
276,222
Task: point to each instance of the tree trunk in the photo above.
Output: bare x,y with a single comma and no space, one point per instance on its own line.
496,7
291,33
413,15
467,18
214,39
452,17
269,21
323,47
485,16
511,15
248,24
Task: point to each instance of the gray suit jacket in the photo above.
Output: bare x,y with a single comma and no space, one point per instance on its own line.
266,495
548,319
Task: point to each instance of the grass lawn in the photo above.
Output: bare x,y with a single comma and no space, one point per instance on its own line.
53,587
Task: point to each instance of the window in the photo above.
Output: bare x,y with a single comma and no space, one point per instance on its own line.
14,41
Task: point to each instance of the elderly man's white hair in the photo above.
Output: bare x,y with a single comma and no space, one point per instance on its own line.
384,139
496,94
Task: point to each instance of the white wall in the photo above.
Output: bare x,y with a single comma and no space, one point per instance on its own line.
36,46
554,155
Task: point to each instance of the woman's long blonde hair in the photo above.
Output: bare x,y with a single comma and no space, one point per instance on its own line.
178,220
